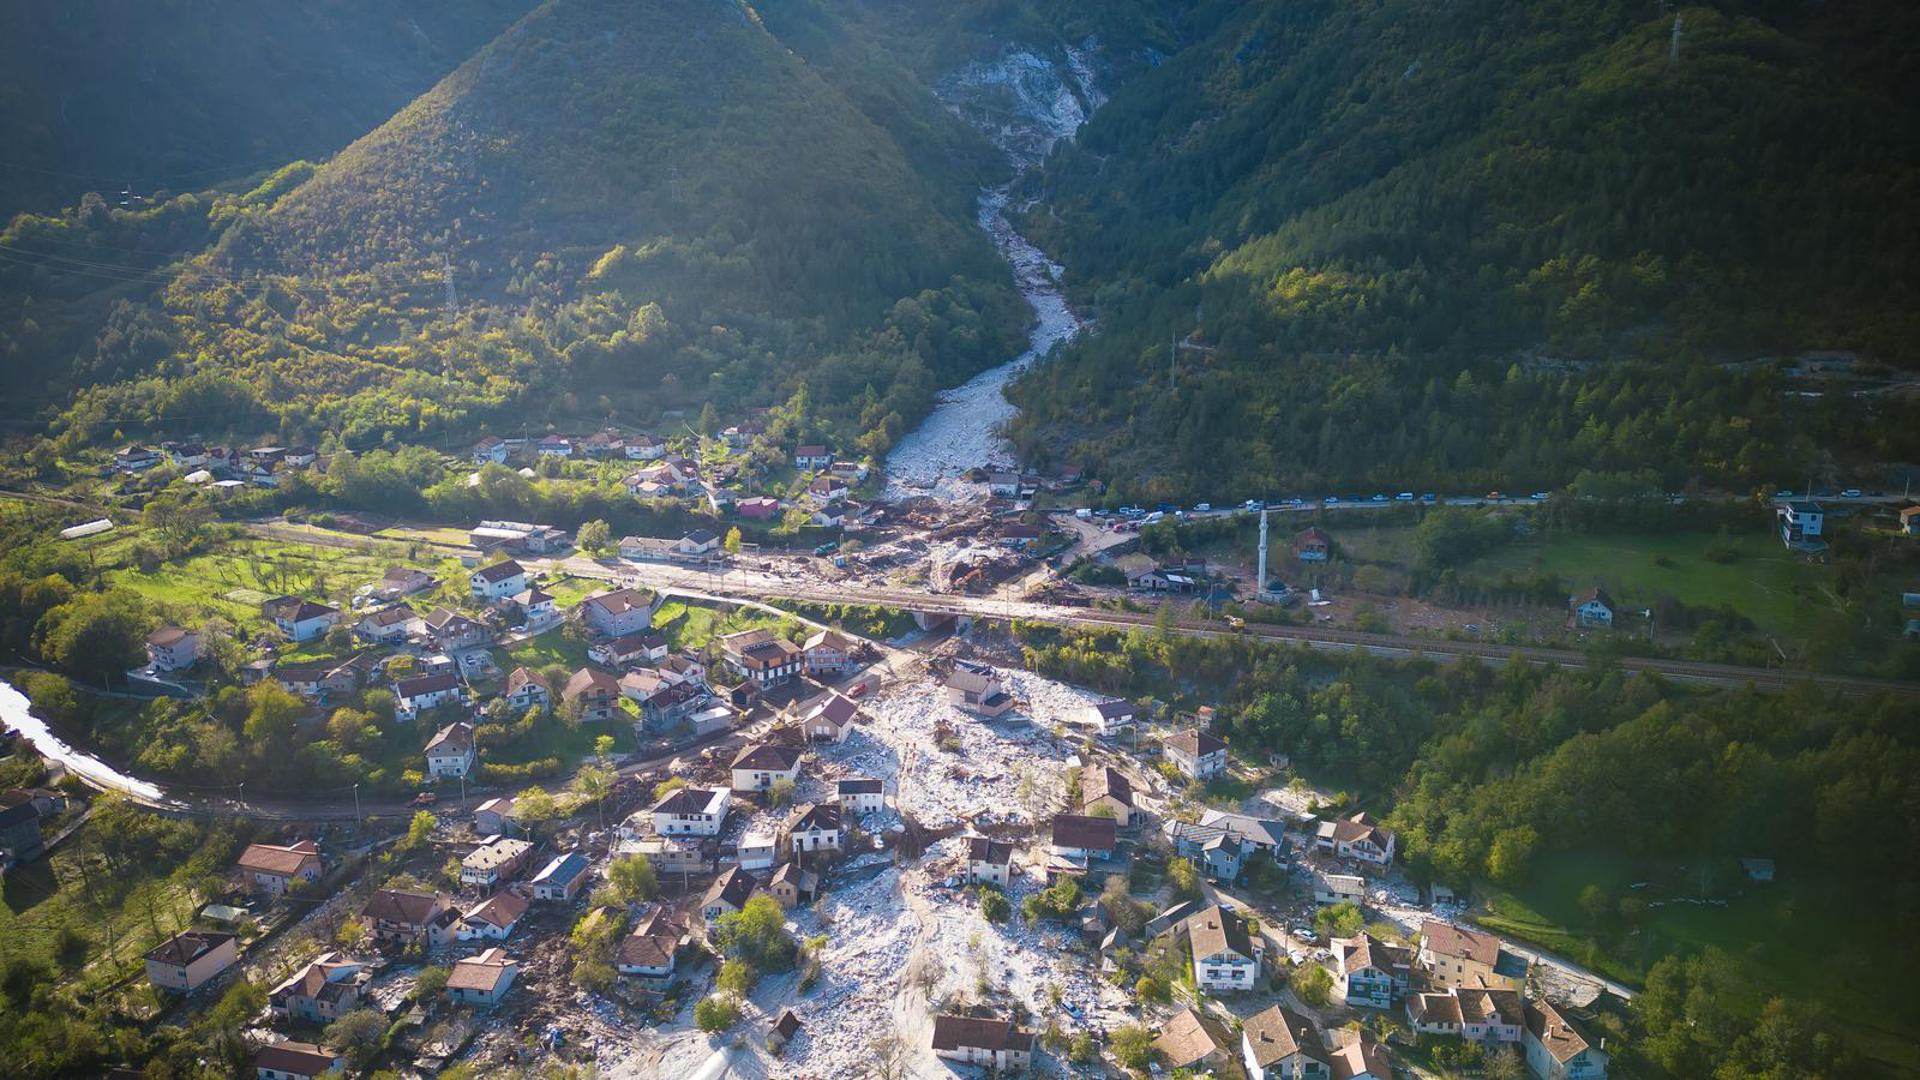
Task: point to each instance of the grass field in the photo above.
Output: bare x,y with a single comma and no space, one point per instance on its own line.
231,582
1794,938
57,897
1779,592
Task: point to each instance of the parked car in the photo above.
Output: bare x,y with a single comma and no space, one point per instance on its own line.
425,798
1429,497
1850,493
1405,496
1540,496
1203,508
1379,498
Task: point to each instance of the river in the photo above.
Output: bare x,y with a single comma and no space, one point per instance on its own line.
1026,104
17,712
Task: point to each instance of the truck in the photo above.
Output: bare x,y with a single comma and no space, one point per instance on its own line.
1084,514
827,548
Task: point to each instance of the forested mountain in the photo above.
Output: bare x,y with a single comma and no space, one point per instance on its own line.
97,95
642,206
1484,243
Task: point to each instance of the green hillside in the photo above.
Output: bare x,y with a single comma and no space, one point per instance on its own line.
97,95
1351,205
643,206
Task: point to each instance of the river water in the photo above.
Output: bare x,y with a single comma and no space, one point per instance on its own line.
18,715
1026,103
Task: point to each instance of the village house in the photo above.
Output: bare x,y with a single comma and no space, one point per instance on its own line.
728,893
810,457
172,648
491,450
1312,545
494,918
759,765
527,689
1167,579
700,545
401,581
649,950
790,884
691,811
830,719
976,688
827,488
554,446
996,1044
494,817
1330,889
1106,792
1357,1055
185,961
502,579
300,620
315,682
482,980
323,991
619,612
1482,1016
595,693
1225,956
1593,608
273,868
812,827
451,752
860,795
403,917
390,625
1280,1044
682,855
761,656
1220,857
647,647
1455,956
1081,837
453,631
1559,1049
135,458
828,653
1260,834
411,697
989,862
537,609
1002,484
21,814
1109,717
1357,836
1802,524
563,878
1195,1043
664,698
495,862
1910,521
757,508
1196,753
759,850
1371,973
296,1061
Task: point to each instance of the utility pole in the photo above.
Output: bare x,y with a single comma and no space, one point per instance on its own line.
357,819
1673,47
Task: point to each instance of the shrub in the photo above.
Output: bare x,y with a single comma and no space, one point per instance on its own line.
715,1014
